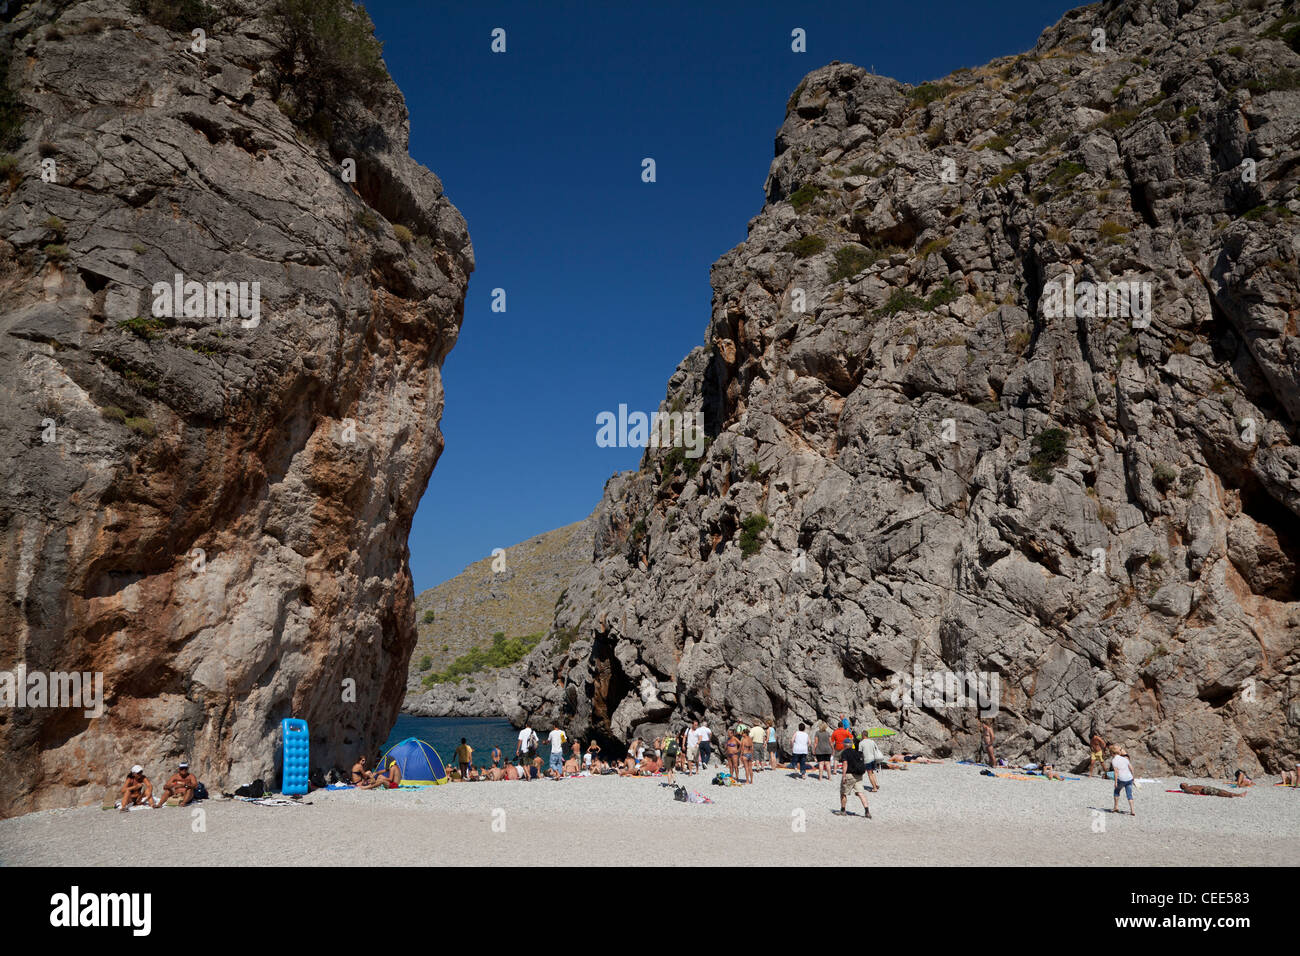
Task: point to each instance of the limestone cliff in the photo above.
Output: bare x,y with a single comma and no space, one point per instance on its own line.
211,508
922,460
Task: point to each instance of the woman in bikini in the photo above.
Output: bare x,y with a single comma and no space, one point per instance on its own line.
747,756
733,756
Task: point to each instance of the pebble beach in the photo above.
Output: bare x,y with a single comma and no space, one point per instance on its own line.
943,814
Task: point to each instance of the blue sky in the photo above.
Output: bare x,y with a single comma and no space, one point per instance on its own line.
607,277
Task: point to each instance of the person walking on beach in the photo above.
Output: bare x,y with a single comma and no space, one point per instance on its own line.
841,734
464,758
758,746
822,750
772,755
986,736
556,741
872,756
1123,777
799,752
670,757
693,747
706,744
526,745
853,766
1097,753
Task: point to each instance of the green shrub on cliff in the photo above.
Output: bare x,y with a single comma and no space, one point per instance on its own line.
328,54
750,531
502,653
1051,452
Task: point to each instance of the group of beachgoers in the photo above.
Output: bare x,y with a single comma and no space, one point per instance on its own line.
746,751
137,789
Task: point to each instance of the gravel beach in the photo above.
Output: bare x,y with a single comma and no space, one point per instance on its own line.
935,814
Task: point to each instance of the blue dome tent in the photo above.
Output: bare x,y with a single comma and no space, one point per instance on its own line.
420,764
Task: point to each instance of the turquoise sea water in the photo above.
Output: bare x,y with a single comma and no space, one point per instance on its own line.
444,733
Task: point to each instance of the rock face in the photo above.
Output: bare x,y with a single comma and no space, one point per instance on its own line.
514,593
1096,511
210,511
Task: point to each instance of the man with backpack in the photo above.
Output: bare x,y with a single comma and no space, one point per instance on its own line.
853,767
670,756
526,746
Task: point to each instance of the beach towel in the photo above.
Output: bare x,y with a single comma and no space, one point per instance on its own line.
273,802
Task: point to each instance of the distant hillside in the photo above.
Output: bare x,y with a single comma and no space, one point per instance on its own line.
519,600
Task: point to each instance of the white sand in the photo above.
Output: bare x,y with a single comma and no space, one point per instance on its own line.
938,814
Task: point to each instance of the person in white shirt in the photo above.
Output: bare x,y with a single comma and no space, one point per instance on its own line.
799,750
556,741
526,744
706,744
1123,768
693,746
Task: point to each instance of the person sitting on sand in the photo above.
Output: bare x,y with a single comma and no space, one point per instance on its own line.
1049,771
1202,791
386,779
359,772
180,784
136,790
510,772
571,766
650,765
535,770
1291,778
1241,780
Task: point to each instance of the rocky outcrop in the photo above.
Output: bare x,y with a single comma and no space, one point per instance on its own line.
512,592
211,510
921,462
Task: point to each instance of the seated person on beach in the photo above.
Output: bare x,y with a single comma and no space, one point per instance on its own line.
650,765
359,772
535,771
1291,778
386,779
571,766
1201,791
180,784
1241,780
136,789
510,772
1049,771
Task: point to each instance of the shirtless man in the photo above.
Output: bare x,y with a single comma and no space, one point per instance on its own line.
359,772
986,736
387,779
1201,791
1097,757
571,766
136,789
180,784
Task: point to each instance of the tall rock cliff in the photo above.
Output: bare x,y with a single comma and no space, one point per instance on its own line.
931,454
210,508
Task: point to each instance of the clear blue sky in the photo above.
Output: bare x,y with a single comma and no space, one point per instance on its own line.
607,277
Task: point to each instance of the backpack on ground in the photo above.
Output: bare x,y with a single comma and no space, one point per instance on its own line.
200,793
255,789
680,794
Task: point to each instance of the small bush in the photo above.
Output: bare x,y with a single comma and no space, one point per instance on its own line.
428,617
113,413
750,531
178,16
147,328
141,426
367,220
1164,476
754,470
1111,231
426,662
403,234
805,195
850,260
806,246
56,252
1050,445
328,53
900,300
927,93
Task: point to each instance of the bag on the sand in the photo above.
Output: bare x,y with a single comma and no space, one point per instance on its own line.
200,793
317,778
680,794
255,789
